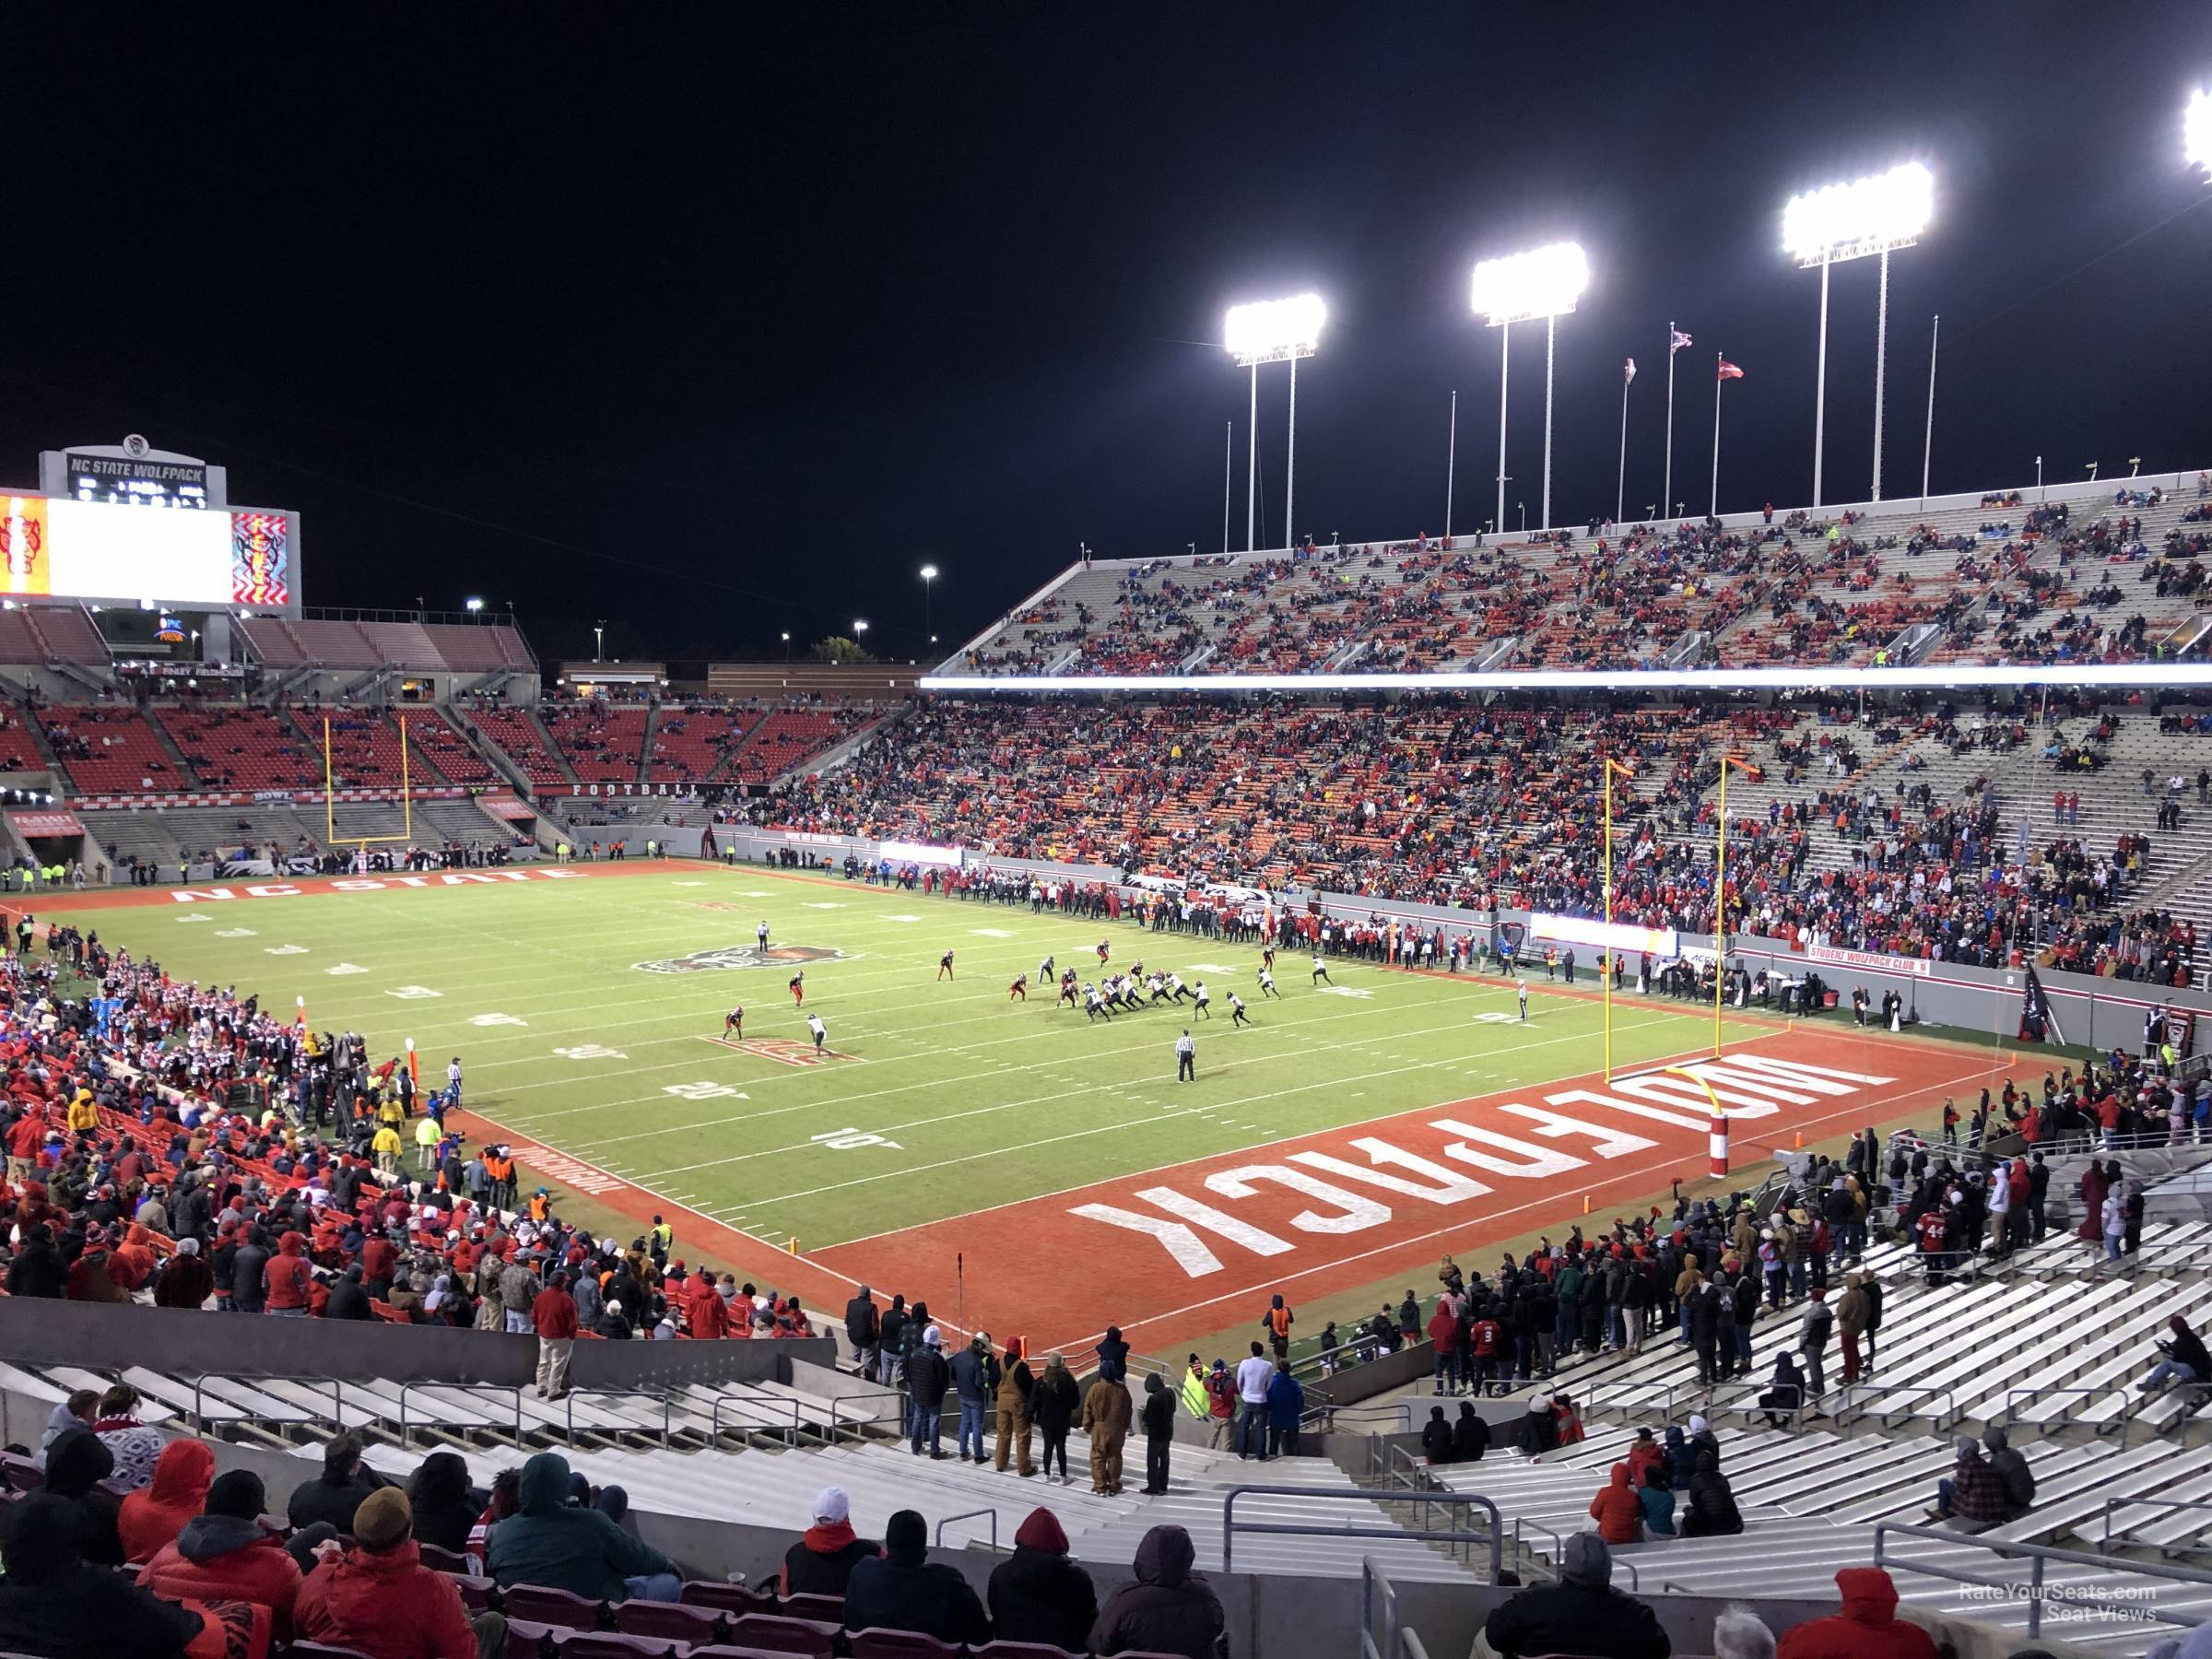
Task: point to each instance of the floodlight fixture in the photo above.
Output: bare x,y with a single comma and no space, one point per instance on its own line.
1872,216
1867,215
1275,331
473,605
1544,282
2196,130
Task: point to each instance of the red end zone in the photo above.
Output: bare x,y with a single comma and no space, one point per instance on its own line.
1192,1248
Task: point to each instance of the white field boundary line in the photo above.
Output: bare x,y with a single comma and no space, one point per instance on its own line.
787,1074
1052,1140
1268,1287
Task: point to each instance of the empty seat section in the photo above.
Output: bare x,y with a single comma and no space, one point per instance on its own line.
242,749
689,745
109,750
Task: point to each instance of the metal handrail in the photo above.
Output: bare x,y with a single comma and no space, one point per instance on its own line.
574,1395
1558,1544
765,1405
1231,1526
968,1515
2127,1414
2038,1555
405,1432
1848,1392
2167,1504
836,1409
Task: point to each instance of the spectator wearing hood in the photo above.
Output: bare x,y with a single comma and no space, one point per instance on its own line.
1617,1511
1713,1511
903,1590
288,1277
185,1280
1867,1628
1157,1417
2011,1470
152,1516
77,1465
1537,1433
56,1603
443,1505
1038,1594
224,1555
1655,1494
821,1562
550,1541
1438,1443
1470,1434
333,1495
1169,1609
379,1598
1113,1355
349,1297
1286,1407
1581,1614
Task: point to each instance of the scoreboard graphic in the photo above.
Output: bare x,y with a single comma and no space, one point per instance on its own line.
59,548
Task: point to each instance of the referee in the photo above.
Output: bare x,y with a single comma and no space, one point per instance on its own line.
1187,1058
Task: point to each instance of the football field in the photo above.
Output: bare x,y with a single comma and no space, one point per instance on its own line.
1048,1170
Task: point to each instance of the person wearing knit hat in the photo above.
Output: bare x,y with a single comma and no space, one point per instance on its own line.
379,1596
821,1562
1038,1593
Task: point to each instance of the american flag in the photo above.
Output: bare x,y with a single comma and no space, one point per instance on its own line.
1729,371
1675,340
1628,373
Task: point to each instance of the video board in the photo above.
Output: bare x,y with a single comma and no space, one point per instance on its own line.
58,548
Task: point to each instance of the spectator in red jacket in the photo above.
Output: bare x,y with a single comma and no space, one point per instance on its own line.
156,1513
704,1311
1444,1333
380,1598
1617,1511
288,1277
224,1555
1868,1628
553,1316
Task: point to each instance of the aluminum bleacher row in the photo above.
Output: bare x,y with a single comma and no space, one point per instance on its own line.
2034,1345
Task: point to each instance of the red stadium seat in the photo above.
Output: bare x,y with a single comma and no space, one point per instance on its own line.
726,1597
781,1635
543,1604
692,1626
828,1609
875,1643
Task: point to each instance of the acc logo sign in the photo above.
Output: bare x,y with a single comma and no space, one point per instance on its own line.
745,956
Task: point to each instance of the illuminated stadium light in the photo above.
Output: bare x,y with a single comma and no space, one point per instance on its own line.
1544,282
1824,228
1275,331
474,605
2167,675
1867,215
2196,130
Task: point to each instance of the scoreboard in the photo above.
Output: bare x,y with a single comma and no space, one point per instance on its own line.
132,474
54,546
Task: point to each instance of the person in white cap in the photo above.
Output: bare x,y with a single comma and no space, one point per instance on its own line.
822,1560
927,1378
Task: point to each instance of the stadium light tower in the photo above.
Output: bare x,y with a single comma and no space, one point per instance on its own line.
1826,226
1273,331
473,605
929,581
1544,282
2196,130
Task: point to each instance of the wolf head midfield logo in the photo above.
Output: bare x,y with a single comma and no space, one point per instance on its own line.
745,956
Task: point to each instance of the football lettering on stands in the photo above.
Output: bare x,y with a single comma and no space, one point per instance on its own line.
1751,1086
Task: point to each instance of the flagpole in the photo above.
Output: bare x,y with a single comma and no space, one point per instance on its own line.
1451,462
1716,446
1928,443
1666,494
1505,360
1620,475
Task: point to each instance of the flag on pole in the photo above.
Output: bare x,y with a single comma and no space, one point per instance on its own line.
1729,371
1676,339
2038,1023
1627,372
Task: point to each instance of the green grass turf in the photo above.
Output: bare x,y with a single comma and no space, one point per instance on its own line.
976,1100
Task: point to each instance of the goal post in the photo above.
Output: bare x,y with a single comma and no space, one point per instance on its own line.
330,797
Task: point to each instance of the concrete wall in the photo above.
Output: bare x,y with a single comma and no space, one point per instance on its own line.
191,1344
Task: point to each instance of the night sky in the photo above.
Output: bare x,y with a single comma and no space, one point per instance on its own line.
719,321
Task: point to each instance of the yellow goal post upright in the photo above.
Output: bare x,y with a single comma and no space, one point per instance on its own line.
330,797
